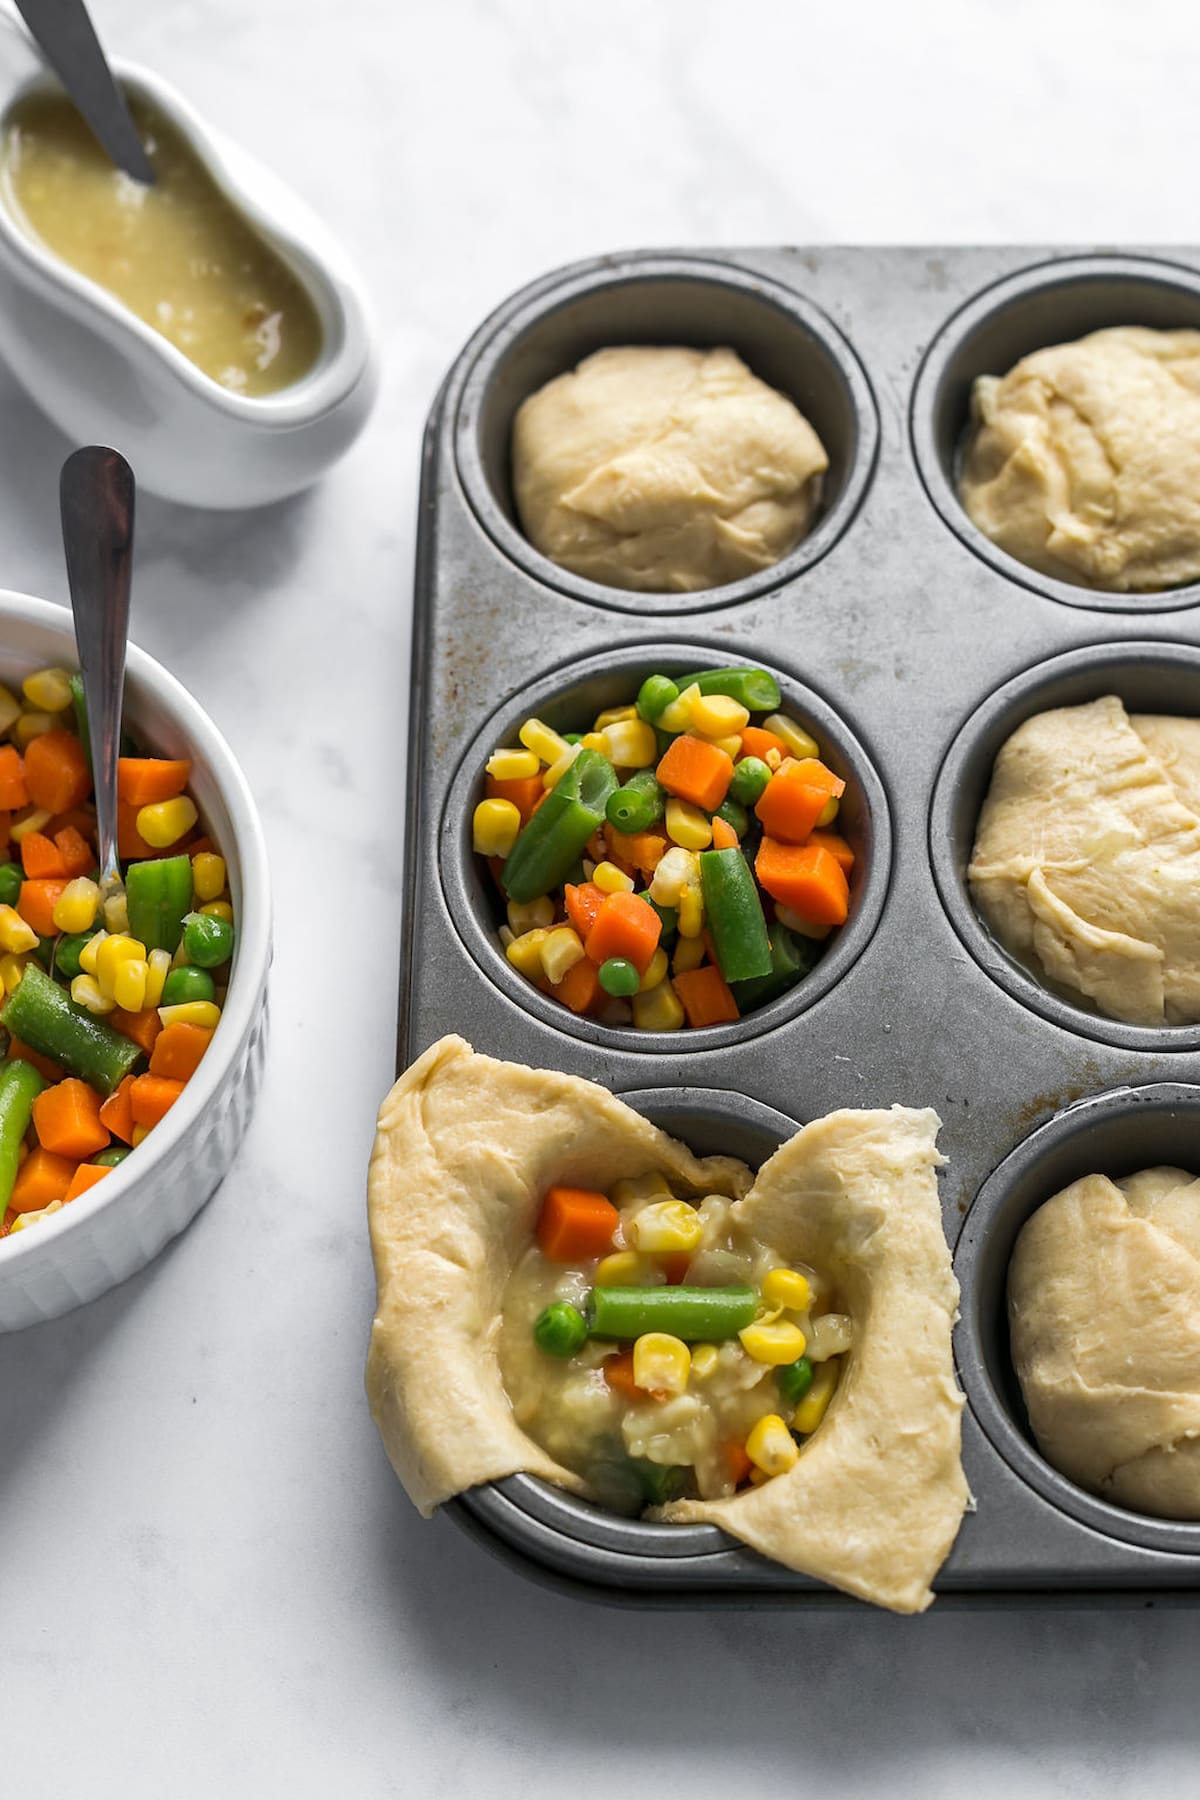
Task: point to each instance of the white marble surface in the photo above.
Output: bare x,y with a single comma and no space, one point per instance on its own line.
209,1580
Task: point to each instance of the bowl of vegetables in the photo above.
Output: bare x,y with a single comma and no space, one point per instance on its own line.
132,1027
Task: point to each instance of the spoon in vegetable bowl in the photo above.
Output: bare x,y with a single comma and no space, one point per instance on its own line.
96,492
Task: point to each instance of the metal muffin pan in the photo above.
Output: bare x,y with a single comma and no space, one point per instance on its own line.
904,630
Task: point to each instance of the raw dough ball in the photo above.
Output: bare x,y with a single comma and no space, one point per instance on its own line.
664,470
1104,1315
1087,857
1085,462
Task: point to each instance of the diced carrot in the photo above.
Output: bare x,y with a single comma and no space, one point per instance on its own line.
644,849
7,1222
41,1178
41,858
67,1120
617,850
36,903
794,799
131,844
5,830
78,857
737,1462
583,902
806,878
86,1176
837,847
525,793
724,836
756,741
618,1372
177,1051
14,792
705,996
19,1052
145,780
141,1027
675,1265
56,771
575,1224
697,771
580,987
627,926
117,1112
80,818
201,846
151,1098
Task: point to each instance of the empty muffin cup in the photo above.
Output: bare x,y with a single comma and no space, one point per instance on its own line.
664,301
1051,303
564,698
1114,1134
1148,677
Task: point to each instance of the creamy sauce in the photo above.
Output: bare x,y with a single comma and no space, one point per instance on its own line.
177,254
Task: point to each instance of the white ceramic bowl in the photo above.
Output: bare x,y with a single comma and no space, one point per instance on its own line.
104,377
124,1221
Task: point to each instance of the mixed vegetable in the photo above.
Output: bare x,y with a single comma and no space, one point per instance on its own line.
108,1003
653,1346
674,864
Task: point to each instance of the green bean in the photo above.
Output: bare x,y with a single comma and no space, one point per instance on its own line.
668,915
750,777
734,915
752,688
159,895
40,1013
20,1085
791,958
550,845
560,1329
655,695
638,804
659,1482
734,815
79,702
11,877
695,1314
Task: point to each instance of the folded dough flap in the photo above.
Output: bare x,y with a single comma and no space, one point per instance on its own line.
875,1500
1123,975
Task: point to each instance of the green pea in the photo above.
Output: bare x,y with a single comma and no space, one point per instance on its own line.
187,984
750,777
795,1379
734,815
655,695
11,877
108,1159
66,955
619,978
560,1330
207,940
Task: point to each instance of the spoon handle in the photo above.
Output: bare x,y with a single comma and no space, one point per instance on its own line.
96,492
67,39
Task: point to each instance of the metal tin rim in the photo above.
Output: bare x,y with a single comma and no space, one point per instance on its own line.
937,481
977,740
529,307
460,886
1008,1439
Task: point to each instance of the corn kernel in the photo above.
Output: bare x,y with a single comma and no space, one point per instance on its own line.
689,954
595,740
812,1408
661,1363
48,690
771,1446
631,744
116,948
139,1135
181,959
678,715
512,765
218,909
11,970
525,952
494,827
116,912
687,826
557,770
624,1268
129,987
10,710
774,759
805,927
165,822
86,992
831,1335
787,1287
546,745
158,967
33,820
732,746
718,716
31,725
829,811
611,880
665,1226
772,1341
676,870
525,915
15,935
633,1188
77,905
798,742
656,971
614,715
659,1010
705,1358
208,875
90,953
559,951
204,1013
691,913
23,1221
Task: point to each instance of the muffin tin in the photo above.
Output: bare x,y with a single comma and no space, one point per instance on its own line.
913,647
